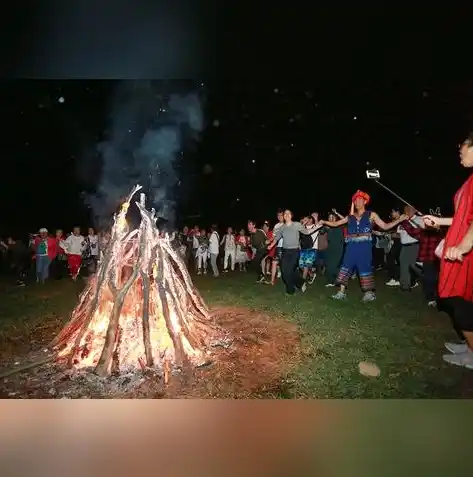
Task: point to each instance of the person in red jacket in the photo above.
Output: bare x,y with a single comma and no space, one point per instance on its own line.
45,250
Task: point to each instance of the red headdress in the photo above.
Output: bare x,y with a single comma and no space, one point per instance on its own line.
359,194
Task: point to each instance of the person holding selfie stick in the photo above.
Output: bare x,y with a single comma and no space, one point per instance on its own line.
358,254
455,289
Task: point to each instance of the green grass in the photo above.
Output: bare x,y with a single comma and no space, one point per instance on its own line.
397,332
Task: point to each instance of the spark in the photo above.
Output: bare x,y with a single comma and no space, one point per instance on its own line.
61,99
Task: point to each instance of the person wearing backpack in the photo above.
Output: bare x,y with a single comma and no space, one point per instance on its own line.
309,245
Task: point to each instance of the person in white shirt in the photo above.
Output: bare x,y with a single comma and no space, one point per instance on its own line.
74,245
275,270
92,247
214,248
409,251
229,243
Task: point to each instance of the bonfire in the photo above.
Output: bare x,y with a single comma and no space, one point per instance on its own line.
140,310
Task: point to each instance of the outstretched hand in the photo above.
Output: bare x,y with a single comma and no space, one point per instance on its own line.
431,220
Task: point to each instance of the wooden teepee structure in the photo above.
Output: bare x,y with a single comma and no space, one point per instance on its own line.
140,310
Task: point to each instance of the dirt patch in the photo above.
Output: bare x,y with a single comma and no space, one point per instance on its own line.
260,353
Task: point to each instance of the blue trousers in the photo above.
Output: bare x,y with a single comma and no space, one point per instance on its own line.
358,257
42,267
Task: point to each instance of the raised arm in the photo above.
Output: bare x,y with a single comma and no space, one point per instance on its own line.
386,226
340,216
338,223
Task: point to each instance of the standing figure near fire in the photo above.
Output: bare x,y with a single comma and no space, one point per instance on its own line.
74,246
358,254
242,244
45,251
201,245
228,241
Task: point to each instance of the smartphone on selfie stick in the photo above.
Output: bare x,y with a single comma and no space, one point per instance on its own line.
374,174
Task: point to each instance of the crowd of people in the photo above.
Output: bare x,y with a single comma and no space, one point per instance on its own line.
336,249
53,256
413,248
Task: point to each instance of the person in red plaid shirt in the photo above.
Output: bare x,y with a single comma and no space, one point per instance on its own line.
428,238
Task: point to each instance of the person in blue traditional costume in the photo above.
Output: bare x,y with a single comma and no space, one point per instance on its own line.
358,255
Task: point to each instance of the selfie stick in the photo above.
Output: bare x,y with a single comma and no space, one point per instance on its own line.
373,174
397,196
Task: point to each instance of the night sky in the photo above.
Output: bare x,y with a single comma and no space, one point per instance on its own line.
265,145
380,90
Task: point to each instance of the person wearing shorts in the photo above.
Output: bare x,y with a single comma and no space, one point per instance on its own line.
307,259
308,253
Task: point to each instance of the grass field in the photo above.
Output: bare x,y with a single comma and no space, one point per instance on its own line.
397,332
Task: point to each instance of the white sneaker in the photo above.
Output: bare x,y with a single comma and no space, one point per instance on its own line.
329,285
416,284
393,283
304,287
312,279
339,295
279,274
368,296
464,360
456,348
432,304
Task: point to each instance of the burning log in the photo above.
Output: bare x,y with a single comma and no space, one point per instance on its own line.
140,309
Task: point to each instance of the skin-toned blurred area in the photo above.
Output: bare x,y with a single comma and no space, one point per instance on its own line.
181,438
233,439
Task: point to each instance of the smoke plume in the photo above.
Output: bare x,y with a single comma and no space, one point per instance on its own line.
148,130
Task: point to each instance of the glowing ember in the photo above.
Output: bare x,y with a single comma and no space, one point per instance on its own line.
140,309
